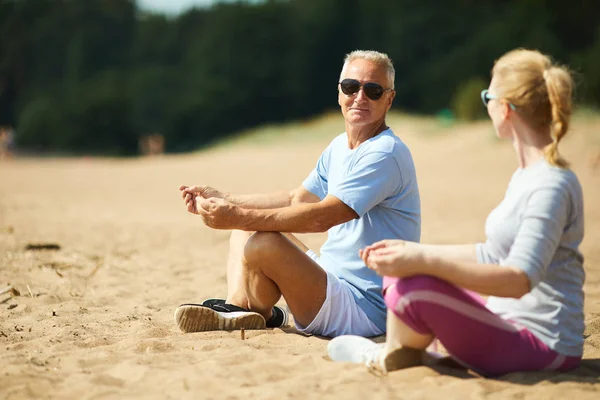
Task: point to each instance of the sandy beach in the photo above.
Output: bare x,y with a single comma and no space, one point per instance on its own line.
94,318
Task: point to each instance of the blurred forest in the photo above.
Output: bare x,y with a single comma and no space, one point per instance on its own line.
93,76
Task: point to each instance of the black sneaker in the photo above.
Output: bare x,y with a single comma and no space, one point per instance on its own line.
211,302
278,319
199,318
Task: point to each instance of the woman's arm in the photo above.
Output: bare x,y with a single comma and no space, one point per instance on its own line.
487,279
455,264
454,252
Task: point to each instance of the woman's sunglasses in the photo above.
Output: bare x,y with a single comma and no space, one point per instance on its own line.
486,96
372,90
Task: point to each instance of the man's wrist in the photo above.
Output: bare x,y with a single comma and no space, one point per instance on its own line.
241,217
230,198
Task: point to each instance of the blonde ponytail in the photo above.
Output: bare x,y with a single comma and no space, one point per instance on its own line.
559,86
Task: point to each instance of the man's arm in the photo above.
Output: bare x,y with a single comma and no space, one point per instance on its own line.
253,201
273,200
300,217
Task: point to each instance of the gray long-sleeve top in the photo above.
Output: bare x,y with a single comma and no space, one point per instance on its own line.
538,228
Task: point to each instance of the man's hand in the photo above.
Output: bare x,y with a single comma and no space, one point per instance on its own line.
202,190
189,194
217,213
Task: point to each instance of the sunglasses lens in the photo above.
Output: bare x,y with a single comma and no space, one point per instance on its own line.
373,91
485,97
349,86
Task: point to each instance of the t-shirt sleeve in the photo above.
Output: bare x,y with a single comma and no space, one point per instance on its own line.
373,178
316,182
540,232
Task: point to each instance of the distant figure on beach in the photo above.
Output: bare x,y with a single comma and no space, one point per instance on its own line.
530,266
152,145
363,189
6,142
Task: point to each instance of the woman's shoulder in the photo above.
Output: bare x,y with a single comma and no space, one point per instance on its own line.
563,177
554,179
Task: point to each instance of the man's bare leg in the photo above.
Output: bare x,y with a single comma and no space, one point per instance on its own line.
274,266
261,267
236,293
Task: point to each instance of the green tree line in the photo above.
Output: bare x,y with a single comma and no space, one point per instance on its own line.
93,76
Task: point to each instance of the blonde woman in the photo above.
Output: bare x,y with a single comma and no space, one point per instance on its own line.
530,266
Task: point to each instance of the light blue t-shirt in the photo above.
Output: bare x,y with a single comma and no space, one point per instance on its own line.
538,228
378,181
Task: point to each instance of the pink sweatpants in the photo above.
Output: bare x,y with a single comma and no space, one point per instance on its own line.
473,335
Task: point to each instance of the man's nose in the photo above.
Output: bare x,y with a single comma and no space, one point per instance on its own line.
360,95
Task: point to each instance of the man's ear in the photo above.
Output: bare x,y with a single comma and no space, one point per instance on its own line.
391,99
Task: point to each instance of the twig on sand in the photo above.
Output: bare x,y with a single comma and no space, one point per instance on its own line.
96,268
42,246
243,334
5,290
11,290
29,289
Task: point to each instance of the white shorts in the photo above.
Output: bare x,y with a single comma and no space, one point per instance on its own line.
339,314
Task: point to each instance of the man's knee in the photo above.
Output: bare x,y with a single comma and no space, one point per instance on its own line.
260,246
239,236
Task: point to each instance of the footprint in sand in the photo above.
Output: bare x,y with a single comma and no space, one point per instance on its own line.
107,380
153,346
158,332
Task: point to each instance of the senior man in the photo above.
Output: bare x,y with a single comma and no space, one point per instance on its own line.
363,189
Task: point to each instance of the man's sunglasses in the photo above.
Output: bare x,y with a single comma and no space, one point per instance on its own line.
373,90
486,96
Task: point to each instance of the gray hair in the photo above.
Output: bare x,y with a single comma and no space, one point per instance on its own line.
380,59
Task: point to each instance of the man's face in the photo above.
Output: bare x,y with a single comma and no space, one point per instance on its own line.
357,108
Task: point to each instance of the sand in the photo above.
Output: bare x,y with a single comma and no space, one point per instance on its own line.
94,319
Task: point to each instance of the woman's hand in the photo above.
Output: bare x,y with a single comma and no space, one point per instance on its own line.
396,258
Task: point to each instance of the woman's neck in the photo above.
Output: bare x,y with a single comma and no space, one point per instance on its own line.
529,145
